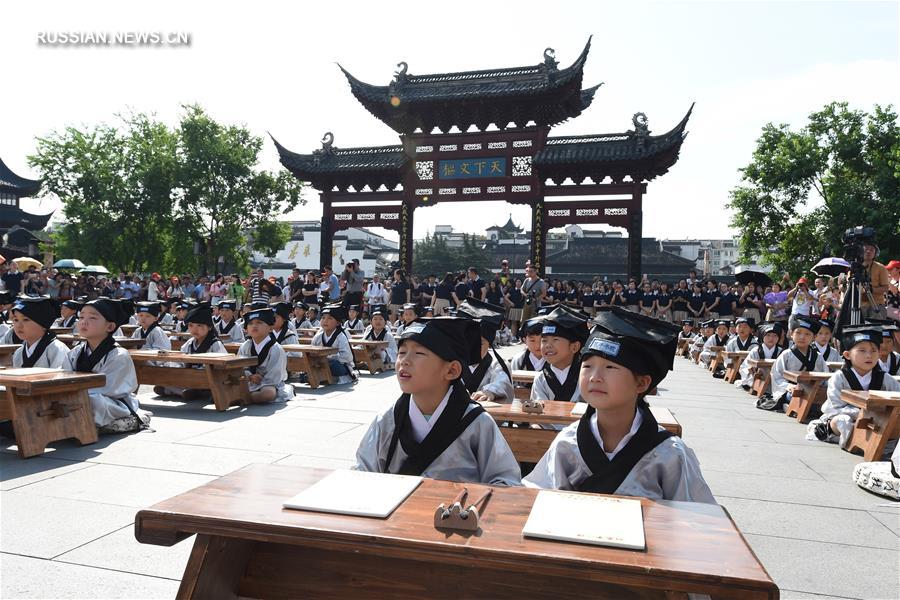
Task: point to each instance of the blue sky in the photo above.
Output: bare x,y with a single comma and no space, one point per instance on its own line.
271,66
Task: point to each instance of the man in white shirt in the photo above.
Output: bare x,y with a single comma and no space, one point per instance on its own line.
803,301
376,293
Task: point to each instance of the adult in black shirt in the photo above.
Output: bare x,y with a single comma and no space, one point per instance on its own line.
310,289
401,291
476,284
493,294
296,287
13,279
461,290
711,298
443,295
632,296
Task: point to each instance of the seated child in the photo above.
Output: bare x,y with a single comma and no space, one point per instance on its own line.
720,338
150,331
228,329
888,360
353,324
285,333
706,331
333,336
562,338
617,447
743,340
313,316
115,407
488,379
767,349
531,358
801,357
203,339
504,335
266,379
861,371
165,317
68,314
32,318
300,320
823,341
687,333
434,429
410,313
378,331
181,310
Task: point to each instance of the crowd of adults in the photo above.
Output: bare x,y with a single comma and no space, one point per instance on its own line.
692,297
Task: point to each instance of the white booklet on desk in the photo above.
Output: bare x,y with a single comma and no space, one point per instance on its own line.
579,409
587,519
358,493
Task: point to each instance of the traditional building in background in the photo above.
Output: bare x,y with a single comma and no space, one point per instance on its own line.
712,257
466,160
22,231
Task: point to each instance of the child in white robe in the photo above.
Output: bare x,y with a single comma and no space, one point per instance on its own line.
743,340
32,318
203,340
434,429
862,372
617,447
116,408
767,349
266,380
332,335
800,357
562,337
285,334
489,378
228,329
153,335
719,338
353,324
378,331
68,314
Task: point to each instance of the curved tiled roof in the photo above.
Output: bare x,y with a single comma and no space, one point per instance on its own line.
20,186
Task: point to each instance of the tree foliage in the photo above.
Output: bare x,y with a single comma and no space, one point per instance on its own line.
804,188
434,256
137,196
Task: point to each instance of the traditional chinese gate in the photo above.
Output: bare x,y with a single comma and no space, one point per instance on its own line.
594,179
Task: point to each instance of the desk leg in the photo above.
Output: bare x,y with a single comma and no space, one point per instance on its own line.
376,363
227,386
214,568
873,429
319,371
48,418
760,382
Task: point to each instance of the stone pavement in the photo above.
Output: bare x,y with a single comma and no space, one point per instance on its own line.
67,516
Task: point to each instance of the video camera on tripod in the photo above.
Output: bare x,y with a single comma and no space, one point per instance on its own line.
855,240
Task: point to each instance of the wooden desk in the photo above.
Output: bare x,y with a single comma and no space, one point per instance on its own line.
129,344
222,374
683,347
129,329
522,382
530,443
46,405
718,358
249,546
6,353
835,366
734,366
878,421
762,370
62,330
313,361
368,352
808,392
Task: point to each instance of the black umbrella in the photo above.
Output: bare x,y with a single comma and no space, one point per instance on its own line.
754,277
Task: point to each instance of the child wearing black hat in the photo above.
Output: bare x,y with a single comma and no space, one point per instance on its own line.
862,372
182,307
531,358
300,321
687,334
617,447
150,331
767,348
266,379
409,314
116,409
353,324
332,335
562,337
285,333
743,339
32,318
228,329
68,314
165,316
719,338
802,356
706,331
822,343
488,379
434,429
888,360
203,340
378,331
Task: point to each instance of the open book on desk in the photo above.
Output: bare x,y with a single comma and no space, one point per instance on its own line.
357,493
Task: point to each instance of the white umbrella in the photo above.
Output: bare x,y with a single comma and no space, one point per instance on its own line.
831,267
95,269
68,263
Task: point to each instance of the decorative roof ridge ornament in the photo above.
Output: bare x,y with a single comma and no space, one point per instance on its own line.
327,147
550,62
641,129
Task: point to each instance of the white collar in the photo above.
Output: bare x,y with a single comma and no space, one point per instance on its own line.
29,350
821,349
420,425
259,347
769,350
885,364
561,374
540,361
635,425
864,380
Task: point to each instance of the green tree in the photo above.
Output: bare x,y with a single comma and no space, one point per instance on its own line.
223,196
804,188
432,255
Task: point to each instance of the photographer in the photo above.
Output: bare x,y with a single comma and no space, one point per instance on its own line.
803,300
879,281
535,291
353,276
